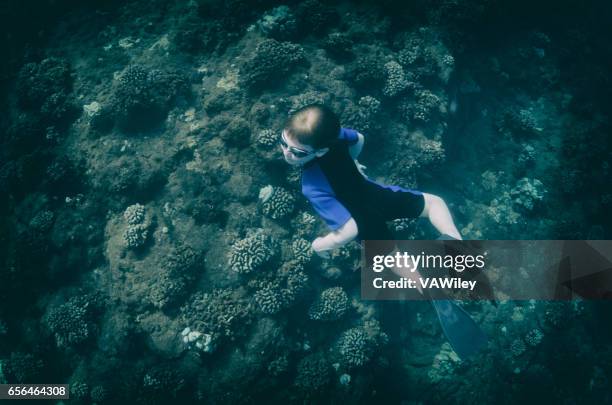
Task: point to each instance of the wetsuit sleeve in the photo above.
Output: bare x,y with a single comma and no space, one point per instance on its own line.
348,135
328,207
317,189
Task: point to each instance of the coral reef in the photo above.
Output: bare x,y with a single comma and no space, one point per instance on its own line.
279,23
364,116
20,368
528,193
425,107
313,373
517,121
395,79
142,97
139,162
307,98
276,202
367,72
331,305
288,285
271,59
338,46
302,250
220,314
137,228
444,364
177,271
73,323
357,346
315,17
249,254
45,87
237,133
269,299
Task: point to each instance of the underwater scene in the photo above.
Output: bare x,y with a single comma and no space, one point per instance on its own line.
159,243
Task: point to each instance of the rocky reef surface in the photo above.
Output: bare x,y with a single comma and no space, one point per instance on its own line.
156,247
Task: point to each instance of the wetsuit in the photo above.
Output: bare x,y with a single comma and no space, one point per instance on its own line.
338,191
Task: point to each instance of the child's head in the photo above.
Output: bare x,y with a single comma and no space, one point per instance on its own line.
309,132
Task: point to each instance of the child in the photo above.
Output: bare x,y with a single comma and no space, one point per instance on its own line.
352,205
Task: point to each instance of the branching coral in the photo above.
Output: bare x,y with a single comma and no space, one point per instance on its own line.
307,98
315,17
193,34
137,229
534,337
278,23
425,107
177,272
272,59
266,139
237,133
269,298
141,97
357,345
395,79
79,390
528,193
354,347
98,394
251,253
46,86
313,373
221,314
158,385
331,305
304,225
517,121
288,285
517,347
134,214
21,368
302,250
362,117
338,46
296,281
426,56
73,322
278,366
444,364
42,221
276,202
367,72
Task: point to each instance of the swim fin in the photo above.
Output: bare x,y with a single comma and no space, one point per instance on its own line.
463,333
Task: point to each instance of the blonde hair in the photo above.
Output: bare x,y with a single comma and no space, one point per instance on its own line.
315,125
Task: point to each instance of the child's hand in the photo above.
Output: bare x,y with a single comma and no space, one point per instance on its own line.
360,167
316,246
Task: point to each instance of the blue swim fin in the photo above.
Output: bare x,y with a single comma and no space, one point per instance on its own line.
463,333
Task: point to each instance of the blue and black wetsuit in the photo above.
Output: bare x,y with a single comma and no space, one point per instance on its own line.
338,191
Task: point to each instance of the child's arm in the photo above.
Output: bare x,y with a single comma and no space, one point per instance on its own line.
356,148
439,215
335,239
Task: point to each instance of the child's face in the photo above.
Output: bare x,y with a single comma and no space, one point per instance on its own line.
297,154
